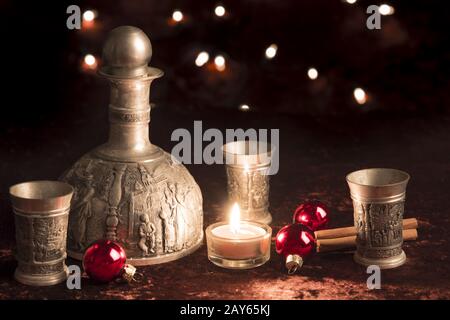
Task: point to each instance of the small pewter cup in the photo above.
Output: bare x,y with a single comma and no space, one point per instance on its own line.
378,201
247,165
41,215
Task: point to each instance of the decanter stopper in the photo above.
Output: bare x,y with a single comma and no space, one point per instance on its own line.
126,53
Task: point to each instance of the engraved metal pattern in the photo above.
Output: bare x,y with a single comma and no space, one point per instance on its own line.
378,204
379,229
128,189
249,187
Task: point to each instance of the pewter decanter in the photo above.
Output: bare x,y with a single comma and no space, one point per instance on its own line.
128,189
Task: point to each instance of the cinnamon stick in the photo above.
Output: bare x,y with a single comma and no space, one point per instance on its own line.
326,245
410,223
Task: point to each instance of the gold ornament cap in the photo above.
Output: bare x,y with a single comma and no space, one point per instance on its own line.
293,263
130,275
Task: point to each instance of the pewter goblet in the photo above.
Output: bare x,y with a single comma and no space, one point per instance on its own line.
378,201
247,165
41,214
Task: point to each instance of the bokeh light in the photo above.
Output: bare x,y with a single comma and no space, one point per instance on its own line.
271,51
313,73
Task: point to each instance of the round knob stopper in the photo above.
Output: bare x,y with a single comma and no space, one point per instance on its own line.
126,53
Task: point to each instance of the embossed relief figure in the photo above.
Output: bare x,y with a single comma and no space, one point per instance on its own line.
360,218
83,209
168,217
261,187
145,176
147,241
181,224
233,186
145,200
40,227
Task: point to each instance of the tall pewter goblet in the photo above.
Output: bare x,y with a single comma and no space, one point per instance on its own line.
247,165
41,211
378,201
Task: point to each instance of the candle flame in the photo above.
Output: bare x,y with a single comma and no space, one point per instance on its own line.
235,218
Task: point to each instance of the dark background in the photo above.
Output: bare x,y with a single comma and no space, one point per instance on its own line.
53,110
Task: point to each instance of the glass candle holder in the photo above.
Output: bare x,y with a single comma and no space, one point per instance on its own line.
248,248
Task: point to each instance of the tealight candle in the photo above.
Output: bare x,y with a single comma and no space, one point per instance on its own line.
238,244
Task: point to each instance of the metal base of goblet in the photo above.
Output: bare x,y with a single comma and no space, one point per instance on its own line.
383,263
41,280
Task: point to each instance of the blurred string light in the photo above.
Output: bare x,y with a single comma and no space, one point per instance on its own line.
219,61
244,107
202,58
271,51
219,11
360,96
386,9
313,73
89,15
177,16
350,1
90,61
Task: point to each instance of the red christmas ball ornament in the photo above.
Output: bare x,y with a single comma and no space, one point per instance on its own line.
313,214
295,242
104,261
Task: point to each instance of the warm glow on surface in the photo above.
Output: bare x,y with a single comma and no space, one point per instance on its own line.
235,218
313,73
386,9
219,11
360,95
139,45
219,61
201,59
89,15
177,15
271,51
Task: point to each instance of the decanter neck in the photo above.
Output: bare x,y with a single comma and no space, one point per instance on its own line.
129,114
129,117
